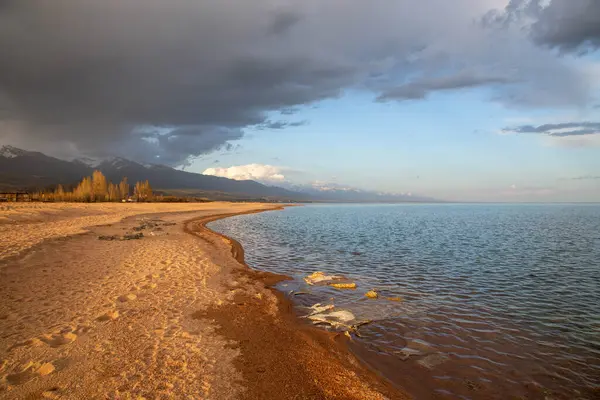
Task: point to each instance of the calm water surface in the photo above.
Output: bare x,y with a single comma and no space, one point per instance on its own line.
499,301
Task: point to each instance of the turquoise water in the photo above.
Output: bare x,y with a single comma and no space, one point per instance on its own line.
498,301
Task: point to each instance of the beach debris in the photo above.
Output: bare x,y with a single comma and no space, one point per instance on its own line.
319,277
105,237
299,293
133,236
127,236
350,285
371,294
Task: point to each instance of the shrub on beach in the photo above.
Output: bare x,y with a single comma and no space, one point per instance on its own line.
97,188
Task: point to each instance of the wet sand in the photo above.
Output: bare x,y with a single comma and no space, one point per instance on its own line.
170,315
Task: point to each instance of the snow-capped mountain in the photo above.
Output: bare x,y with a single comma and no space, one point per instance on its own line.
11,152
28,170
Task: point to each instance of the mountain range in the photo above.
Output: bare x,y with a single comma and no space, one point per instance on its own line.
29,170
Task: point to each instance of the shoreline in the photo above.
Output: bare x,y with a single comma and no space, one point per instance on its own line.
334,343
174,313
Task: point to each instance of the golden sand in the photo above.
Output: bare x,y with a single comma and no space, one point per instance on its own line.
158,317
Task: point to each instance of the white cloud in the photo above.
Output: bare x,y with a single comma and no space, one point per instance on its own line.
255,172
592,140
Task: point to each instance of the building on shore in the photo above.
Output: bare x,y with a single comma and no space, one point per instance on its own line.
14,196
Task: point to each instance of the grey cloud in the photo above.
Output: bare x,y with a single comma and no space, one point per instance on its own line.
170,81
570,25
586,177
283,22
559,130
419,89
280,124
292,110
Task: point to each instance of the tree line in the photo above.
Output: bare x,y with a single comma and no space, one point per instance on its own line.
97,188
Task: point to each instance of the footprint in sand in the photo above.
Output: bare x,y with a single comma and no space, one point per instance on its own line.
30,371
46,369
149,286
52,393
35,342
109,316
59,339
127,297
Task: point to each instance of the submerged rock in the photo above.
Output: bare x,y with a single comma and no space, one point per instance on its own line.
432,360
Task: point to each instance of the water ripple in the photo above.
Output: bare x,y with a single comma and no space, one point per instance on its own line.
499,301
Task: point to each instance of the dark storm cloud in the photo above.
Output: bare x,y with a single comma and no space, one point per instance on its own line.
565,24
88,74
167,81
421,88
569,24
559,130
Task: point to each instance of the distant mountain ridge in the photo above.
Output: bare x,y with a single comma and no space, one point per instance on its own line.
334,192
29,170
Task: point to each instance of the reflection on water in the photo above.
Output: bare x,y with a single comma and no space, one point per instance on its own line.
499,301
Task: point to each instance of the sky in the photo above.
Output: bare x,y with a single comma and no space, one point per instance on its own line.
465,100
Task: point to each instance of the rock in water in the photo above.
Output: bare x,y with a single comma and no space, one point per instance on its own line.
318,308
321,277
351,285
337,319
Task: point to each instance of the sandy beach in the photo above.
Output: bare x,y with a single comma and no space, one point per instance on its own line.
140,301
